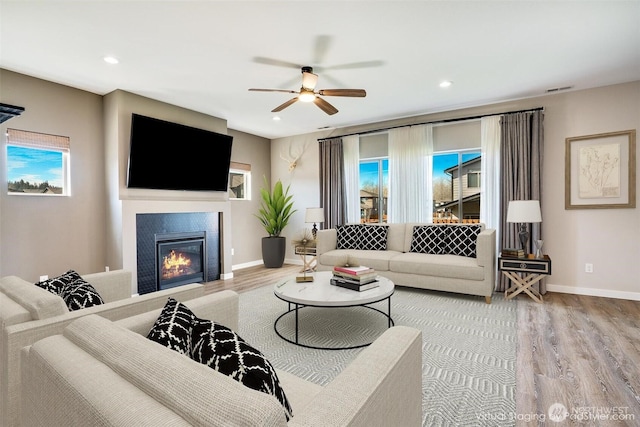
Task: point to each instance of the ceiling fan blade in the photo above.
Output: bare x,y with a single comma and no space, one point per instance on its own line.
309,80
325,106
358,93
285,105
276,62
363,64
320,48
273,90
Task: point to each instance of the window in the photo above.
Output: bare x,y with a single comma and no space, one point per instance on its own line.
456,186
374,189
37,163
239,181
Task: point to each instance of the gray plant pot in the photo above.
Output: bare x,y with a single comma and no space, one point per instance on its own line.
273,251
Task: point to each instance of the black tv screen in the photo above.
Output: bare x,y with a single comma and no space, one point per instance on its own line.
171,156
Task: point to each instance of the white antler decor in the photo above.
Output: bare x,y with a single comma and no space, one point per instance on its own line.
292,159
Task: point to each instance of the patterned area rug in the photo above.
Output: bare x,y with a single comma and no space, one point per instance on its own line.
469,347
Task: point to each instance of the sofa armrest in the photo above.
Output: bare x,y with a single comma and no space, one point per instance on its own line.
382,386
111,285
326,240
486,248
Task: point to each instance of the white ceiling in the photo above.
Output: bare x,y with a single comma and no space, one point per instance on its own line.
204,55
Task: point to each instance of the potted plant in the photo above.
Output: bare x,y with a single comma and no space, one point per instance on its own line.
275,210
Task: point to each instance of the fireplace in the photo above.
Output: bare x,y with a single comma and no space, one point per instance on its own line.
189,240
180,259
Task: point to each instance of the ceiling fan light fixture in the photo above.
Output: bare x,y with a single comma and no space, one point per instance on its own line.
306,96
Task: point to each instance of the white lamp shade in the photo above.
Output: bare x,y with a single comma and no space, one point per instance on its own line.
314,215
524,211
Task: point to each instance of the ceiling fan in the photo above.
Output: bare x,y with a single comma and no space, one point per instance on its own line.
307,93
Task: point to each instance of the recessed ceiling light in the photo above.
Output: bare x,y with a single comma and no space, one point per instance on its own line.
276,118
110,59
446,83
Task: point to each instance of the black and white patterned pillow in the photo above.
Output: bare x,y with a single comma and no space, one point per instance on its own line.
80,294
373,237
55,285
173,327
428,239
348,236
461,240
225,351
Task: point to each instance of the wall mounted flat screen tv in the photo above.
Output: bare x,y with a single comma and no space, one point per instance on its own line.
171,156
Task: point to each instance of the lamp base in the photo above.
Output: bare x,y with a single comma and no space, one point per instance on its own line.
314,231
523,235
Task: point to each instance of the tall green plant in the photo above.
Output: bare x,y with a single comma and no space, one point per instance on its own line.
276,208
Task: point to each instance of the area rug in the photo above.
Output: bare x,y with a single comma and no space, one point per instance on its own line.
469,347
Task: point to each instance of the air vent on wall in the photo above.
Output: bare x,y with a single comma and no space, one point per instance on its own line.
9,111
558,89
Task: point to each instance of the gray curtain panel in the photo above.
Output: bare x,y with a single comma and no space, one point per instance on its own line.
332,185
522,142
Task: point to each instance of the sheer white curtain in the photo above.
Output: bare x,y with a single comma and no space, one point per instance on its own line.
351,153
410,192
490,172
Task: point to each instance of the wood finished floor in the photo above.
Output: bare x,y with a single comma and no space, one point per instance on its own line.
580,351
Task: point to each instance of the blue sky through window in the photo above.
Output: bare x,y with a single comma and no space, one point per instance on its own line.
34,165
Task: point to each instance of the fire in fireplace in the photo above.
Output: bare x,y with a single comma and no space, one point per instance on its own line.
180,259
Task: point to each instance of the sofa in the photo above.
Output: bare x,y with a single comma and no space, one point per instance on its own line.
457,258
99,373
29,313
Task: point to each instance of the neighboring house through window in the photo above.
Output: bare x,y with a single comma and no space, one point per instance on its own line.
37,163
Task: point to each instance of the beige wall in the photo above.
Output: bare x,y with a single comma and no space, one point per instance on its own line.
48,235
247,232
607,238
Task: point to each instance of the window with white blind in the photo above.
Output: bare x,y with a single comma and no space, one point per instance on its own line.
37,163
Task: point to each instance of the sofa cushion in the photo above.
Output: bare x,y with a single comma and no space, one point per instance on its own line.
348,236
428,239
55,284
449,266
80,294
378,260
225,351
373,237
461,240
173,327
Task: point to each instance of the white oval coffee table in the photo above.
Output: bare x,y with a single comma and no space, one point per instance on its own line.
320,293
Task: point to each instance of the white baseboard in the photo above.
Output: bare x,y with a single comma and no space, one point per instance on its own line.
606,293
246,264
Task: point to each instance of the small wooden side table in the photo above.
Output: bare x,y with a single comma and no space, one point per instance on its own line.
304,252
524,273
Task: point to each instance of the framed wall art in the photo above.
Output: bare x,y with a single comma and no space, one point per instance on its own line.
600,171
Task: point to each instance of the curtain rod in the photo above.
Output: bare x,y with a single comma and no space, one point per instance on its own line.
460,119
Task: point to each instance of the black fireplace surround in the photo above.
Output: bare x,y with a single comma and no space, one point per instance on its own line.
194,235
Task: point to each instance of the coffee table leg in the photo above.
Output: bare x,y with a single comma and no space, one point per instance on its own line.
297,323
389,310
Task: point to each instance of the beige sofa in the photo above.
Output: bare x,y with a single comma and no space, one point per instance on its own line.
29,313
440,272
105,373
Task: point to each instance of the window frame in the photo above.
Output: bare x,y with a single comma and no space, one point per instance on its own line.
41,143
243,169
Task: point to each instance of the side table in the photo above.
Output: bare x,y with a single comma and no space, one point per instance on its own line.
304,252
524,273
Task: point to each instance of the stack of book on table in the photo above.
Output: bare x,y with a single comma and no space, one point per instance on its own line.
513,252
355,278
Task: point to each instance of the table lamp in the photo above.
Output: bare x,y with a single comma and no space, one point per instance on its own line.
314,215
523,212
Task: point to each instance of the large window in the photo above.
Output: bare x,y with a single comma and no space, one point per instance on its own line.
456,186
37,164
374,190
